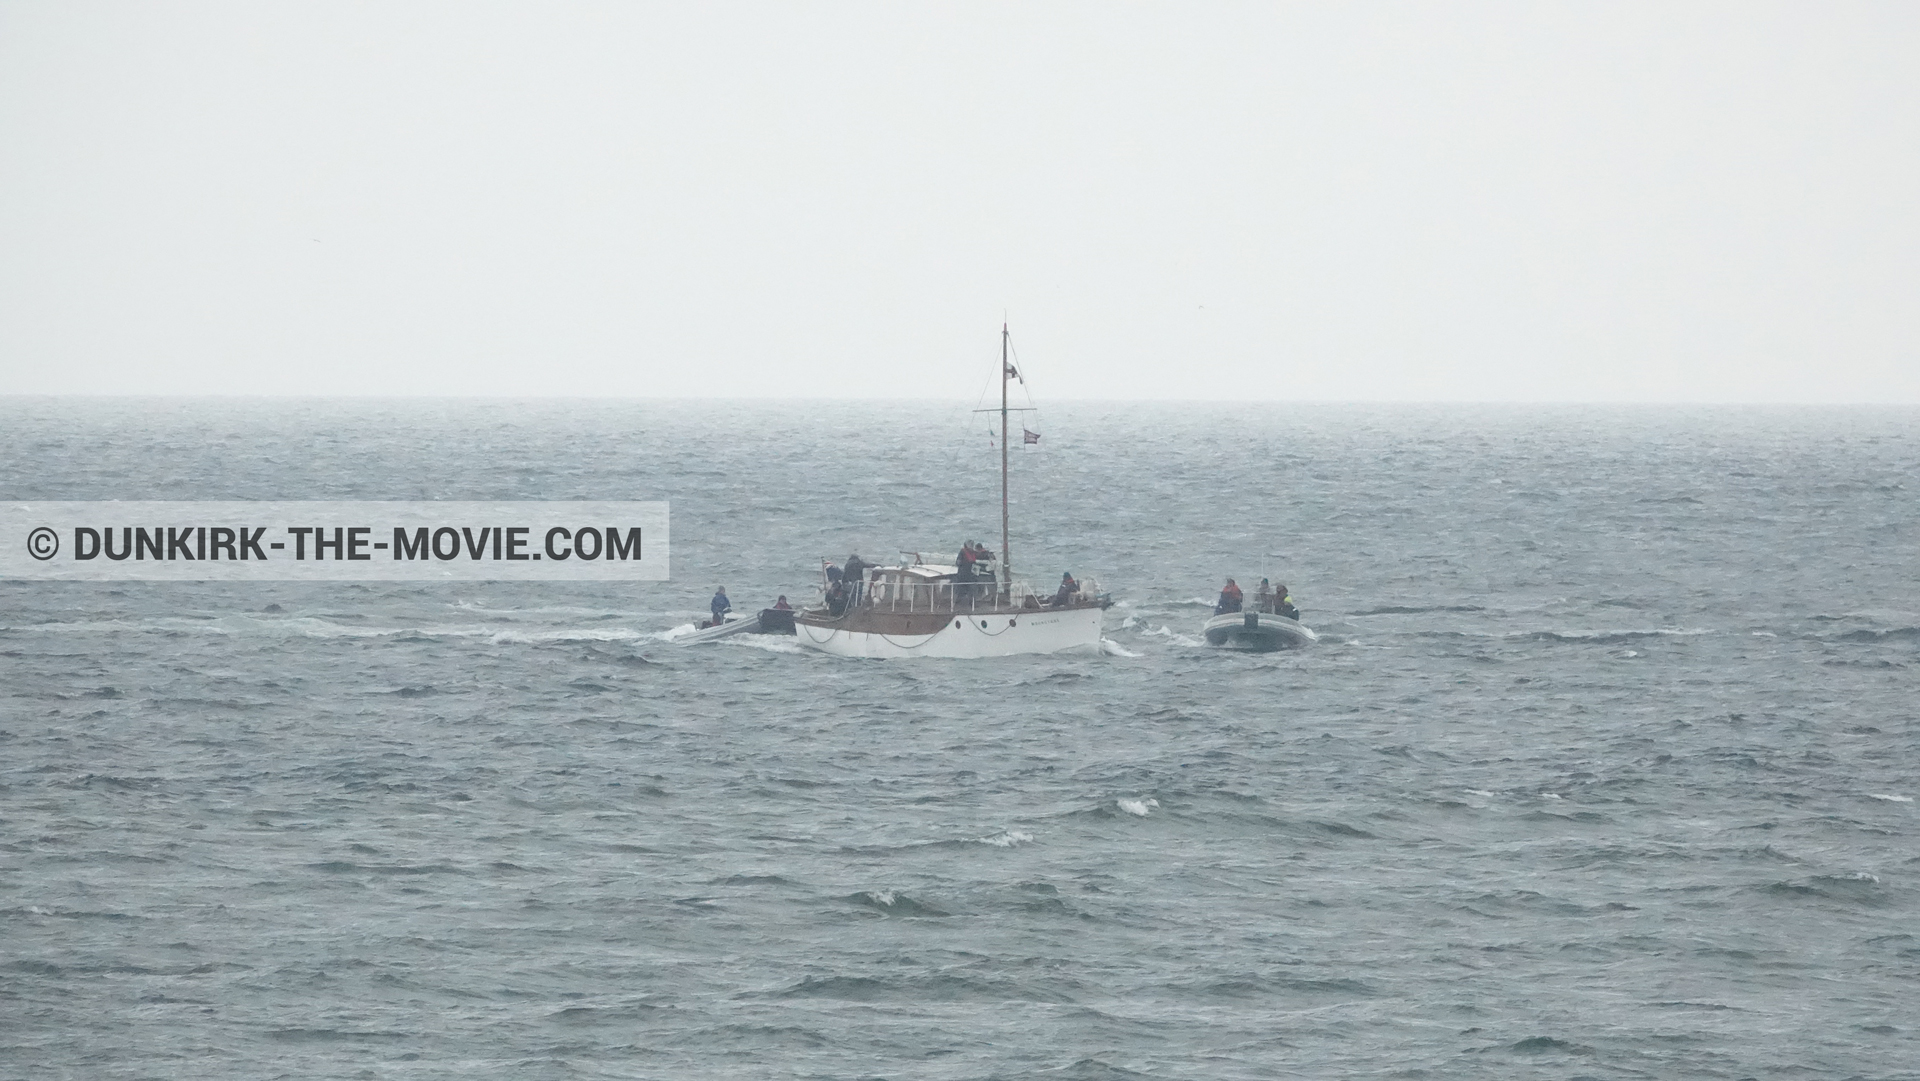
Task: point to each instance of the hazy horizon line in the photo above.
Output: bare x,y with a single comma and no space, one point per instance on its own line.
848,399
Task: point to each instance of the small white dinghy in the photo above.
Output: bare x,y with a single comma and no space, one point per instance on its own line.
1257,632
769,621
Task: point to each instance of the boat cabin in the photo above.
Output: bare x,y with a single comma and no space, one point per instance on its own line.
932,588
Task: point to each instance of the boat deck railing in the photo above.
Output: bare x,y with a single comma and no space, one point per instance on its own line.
949,597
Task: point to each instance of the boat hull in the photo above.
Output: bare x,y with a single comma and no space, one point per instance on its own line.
1257,632
769,621
960,636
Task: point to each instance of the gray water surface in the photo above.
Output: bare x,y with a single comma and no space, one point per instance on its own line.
1605,765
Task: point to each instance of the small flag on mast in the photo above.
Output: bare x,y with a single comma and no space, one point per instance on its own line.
1015,373
1032,437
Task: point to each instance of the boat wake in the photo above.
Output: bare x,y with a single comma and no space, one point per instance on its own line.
1173,636
767,642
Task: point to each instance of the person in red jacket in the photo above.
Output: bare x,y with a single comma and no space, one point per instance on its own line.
963,574
1229,599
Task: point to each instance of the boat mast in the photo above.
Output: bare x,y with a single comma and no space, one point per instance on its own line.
1006,542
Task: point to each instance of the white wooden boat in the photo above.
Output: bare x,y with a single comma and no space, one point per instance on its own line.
918,609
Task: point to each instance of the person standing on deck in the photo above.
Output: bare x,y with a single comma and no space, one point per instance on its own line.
720,606
963,575
983,573
854,574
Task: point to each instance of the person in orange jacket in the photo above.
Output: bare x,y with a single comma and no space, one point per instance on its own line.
1229,599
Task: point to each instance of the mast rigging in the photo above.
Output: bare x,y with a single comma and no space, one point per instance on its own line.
1006,537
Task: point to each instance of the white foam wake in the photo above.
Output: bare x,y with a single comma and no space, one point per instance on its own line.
766,642
564,635
1173,636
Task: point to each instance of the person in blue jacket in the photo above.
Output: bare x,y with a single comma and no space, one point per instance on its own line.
720,605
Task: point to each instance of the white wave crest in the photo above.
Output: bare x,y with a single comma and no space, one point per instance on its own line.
1890,798
1114,649
1173,636
1141,807
1006,839
559,610
768,643
310,627
568,634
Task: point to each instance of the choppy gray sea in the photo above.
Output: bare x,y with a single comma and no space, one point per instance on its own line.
1605,765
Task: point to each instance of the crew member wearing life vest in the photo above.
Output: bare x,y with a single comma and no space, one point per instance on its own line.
1283,604
1229,599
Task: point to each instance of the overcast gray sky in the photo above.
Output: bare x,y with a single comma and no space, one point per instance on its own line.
1536,201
